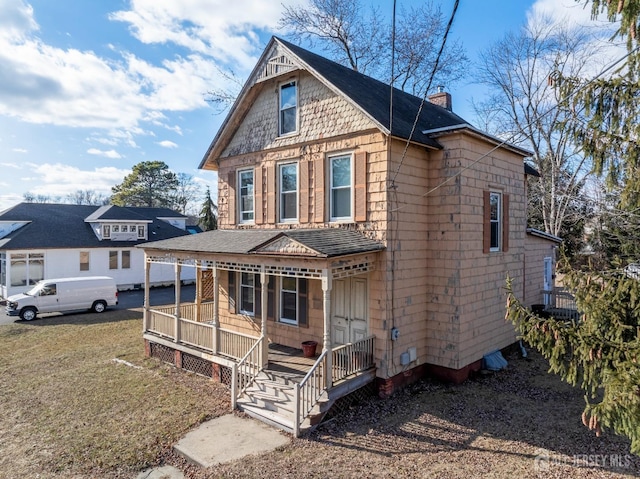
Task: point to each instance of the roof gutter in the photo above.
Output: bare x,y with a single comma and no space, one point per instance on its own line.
474,131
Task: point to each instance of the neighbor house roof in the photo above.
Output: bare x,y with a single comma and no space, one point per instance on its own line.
63,226
325,242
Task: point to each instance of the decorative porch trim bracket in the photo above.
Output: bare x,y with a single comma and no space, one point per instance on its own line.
326,301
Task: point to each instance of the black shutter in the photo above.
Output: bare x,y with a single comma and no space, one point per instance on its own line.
257,297
302,303
232,291
271,298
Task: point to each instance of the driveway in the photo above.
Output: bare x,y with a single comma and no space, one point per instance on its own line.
131,300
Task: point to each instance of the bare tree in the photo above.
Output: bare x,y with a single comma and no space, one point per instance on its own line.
523,106
87,197
361,39
29,197
186,193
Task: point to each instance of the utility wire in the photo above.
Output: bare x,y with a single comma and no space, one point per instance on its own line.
426,90
503,142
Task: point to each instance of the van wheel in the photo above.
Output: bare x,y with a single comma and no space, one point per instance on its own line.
27,314
99,306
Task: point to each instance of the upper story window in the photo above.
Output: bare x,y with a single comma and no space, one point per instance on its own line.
495,205
341,194
288,175
141,232
288,108
245,192
106,231
496,222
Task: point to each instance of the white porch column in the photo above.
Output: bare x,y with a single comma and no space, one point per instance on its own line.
198,299
216,306
264,298
326,300
145,310
178,269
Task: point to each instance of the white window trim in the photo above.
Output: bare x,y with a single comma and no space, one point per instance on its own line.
498,221
106,231
280,192
297,108
239,198
342,219
281,290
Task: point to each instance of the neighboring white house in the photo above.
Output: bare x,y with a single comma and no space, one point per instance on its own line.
39,241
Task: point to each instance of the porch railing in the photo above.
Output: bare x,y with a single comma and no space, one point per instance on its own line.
351,358
561,304
161,322
190,311
196,334
244,372
308,392
234,344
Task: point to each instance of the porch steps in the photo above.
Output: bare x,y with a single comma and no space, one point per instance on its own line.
271,399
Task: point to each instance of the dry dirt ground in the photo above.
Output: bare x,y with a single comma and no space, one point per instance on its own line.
68,410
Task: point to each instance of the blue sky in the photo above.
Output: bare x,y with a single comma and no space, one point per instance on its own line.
90,88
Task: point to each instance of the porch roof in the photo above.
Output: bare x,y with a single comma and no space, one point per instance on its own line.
319,242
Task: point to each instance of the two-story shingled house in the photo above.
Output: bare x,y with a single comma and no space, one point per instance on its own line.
386,239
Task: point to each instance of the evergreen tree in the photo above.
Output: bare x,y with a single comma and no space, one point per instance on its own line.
151,184
208,213
600,352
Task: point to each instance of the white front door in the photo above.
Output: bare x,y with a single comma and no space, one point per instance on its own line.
350,306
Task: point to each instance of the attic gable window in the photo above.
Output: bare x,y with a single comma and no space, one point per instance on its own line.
288,108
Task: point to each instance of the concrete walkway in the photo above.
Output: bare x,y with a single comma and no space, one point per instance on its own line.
219,440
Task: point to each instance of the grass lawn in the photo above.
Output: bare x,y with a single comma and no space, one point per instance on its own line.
68,410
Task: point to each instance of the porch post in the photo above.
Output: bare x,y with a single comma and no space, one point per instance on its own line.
145,313
326,300
216,307
198,264
178,269
264,283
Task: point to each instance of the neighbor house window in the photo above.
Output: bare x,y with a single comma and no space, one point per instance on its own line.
288,192
245,178
106,231
3,269
113,260
288,108
26,268
126,259
84,261
115,228
141,234
341,178
247,293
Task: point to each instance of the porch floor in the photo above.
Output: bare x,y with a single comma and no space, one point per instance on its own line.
289,361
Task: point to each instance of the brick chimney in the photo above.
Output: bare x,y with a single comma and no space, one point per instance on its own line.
441,98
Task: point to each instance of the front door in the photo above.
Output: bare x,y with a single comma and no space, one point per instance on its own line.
349,310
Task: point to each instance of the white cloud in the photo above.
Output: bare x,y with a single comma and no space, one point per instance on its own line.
58,180
20,150
167,144
107,154
10,165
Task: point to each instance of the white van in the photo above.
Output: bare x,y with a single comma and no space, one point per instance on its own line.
64,294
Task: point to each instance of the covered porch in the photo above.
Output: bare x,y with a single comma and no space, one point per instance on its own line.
242,346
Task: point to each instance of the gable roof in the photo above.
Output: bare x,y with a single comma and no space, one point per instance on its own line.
370,96
323,242
64,226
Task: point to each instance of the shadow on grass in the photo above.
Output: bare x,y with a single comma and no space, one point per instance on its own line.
522,415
